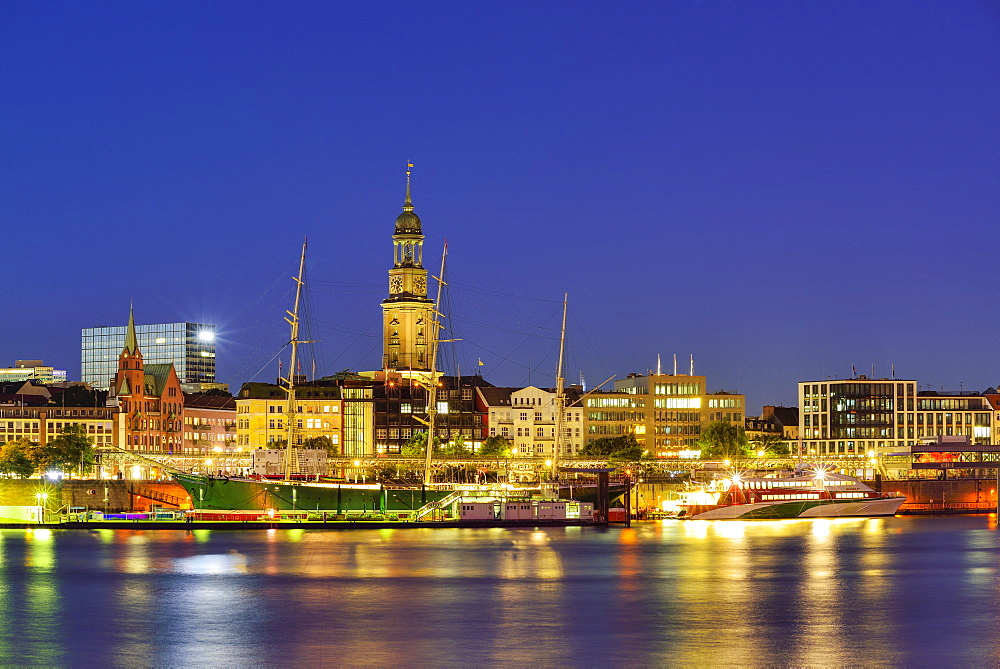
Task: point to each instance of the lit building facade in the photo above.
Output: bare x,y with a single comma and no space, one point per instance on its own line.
209,425
340,410
149,399
527,417
43,423
864,416
666,412
857,417
970,414
401,406
31,370
189,347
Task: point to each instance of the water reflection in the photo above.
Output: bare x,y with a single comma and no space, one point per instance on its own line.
876,591
41,596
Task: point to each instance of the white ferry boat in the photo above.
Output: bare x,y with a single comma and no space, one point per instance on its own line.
812,494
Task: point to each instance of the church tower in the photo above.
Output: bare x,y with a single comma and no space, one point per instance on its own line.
131,377
407,312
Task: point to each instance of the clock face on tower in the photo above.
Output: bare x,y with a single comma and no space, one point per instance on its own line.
396,284
419,284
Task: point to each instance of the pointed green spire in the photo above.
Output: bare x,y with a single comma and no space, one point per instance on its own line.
131,342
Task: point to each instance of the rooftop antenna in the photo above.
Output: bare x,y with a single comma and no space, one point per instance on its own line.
658,369
675,364
894,370
692,364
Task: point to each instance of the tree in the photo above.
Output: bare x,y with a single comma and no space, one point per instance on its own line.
417,445
772,444
15,458
322,442
496,447
71,450
724,441
624,447
456,448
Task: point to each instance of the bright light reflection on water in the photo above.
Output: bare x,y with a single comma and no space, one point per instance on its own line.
897,591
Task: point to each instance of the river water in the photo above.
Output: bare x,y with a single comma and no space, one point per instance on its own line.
896,591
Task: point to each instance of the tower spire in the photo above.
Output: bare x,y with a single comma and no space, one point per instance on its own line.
408,204
131,341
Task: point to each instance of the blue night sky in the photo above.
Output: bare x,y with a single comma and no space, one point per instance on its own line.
782,189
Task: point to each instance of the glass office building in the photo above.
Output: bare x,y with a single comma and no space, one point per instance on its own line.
189,346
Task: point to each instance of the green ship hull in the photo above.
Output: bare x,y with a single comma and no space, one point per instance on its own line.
226,494
248,495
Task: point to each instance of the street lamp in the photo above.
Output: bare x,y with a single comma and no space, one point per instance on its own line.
41,498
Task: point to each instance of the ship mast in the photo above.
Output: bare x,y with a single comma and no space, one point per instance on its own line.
560,394
293,322
433,375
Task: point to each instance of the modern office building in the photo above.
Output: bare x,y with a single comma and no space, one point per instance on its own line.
190,347
864,417
31,370
666,412
965,413
857,417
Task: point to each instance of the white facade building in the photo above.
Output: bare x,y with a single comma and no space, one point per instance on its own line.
527,417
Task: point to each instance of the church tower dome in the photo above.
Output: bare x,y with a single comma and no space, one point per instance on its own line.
407,311
408,223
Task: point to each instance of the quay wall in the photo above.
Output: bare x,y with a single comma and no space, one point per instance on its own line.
122,495
951,491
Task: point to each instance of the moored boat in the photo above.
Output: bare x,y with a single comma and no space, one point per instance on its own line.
805,494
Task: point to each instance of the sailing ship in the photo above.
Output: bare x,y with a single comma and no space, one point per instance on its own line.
291,493
407,287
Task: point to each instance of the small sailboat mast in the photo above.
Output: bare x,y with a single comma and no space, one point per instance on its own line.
560,395
432,384
293,322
